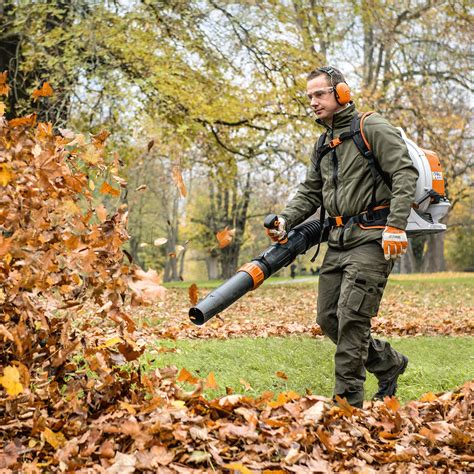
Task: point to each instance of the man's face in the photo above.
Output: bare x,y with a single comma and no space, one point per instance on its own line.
321,95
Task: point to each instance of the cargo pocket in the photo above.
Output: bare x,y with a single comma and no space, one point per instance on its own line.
366,293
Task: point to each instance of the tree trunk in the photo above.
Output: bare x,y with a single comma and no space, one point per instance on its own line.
433,260
171,267
212,264
230,259
408,261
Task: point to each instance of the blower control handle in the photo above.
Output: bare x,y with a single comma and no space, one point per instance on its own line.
271,221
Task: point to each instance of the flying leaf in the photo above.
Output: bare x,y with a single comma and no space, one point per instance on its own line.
44,130
142,187
160,241
211,381
5,174
99,139
4,87
44,91
2,109
11,381
101,213
178,180
186,376
107,189
5,245
150,145
224,237
27,120
193,294
146,285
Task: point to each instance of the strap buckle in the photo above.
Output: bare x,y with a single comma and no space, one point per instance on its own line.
338,220
335,142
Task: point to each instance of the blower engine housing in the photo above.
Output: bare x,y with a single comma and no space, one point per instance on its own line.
431,203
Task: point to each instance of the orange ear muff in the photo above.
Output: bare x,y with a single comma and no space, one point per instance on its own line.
343,93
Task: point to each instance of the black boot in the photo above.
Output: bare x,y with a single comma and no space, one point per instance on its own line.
388,387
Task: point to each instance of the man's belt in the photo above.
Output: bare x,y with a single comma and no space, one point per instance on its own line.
375,218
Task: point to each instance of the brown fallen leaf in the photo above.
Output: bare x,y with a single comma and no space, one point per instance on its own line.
281,374
193,294
4,87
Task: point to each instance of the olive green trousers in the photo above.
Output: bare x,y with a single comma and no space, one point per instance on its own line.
351,285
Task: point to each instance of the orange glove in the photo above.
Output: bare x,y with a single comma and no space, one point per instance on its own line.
394,242
278,234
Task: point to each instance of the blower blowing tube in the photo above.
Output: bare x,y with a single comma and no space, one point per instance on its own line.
251,275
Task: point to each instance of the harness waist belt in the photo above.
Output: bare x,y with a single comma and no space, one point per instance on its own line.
378,214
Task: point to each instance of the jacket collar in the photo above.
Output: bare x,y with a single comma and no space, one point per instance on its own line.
340,119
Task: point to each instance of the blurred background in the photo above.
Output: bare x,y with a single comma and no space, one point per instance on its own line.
209,123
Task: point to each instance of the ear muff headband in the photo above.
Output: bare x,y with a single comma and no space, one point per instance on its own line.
342,91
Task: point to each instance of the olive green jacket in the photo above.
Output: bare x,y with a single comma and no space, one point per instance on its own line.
344,186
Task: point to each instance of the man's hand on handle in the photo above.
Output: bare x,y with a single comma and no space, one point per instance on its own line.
275,227
394,242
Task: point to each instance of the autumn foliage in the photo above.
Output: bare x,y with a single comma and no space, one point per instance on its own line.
72,395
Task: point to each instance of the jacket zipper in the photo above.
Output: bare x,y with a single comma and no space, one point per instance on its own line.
335,171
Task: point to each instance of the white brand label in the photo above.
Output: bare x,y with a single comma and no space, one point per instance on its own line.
437,175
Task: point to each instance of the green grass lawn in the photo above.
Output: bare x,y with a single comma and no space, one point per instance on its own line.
417,279
436,364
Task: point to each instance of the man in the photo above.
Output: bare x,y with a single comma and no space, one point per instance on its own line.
368,201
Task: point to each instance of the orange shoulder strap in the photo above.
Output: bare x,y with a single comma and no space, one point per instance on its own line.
362,118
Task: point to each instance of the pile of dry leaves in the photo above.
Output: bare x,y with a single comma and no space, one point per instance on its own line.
73,401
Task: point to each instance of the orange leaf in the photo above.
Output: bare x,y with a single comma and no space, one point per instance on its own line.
178,180
107,189
325,438
282,375
27,120
99,139
4,87
392,403
44,91
284,398
101,212
345,407
44,129
146,285
211,381
193,294
5,244
224,237
428,397
185,376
